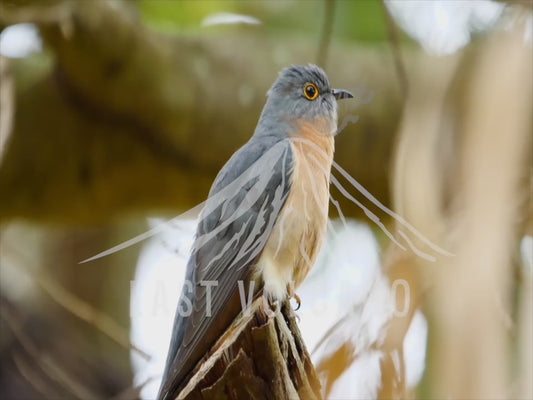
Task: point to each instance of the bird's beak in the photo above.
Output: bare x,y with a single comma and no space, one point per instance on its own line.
340,94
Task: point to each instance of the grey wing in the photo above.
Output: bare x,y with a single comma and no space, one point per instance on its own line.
243,205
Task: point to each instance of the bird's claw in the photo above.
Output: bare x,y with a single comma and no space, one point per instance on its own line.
271,307
298,301
293,295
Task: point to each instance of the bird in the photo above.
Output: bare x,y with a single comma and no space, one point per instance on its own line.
264,220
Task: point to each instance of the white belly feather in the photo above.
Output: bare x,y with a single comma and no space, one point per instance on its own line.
297,236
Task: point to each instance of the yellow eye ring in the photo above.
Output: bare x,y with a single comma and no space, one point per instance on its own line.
310,91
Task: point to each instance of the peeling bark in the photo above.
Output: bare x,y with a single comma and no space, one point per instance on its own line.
258,358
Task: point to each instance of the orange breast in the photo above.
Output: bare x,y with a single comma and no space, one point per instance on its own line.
297,237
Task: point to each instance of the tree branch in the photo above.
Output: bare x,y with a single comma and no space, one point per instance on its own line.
327,29
392,32
144,121
258,358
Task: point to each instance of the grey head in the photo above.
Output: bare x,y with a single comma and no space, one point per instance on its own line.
301,93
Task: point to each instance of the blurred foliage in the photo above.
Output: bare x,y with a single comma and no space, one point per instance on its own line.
361,19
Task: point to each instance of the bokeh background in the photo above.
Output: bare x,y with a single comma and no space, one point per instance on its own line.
115,117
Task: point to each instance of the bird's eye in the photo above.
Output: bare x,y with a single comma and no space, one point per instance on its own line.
310,91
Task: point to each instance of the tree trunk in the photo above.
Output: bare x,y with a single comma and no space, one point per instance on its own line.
259,357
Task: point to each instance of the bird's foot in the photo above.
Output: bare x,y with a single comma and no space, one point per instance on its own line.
271,306
293,295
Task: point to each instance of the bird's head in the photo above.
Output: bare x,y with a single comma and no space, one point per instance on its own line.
303,94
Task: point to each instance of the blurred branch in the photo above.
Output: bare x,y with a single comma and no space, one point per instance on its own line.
7,104
524,3
37,12
46,363
462,163
145,121
327,29
28,371
83,310
341,355
493,129
392,32
103,322
134,391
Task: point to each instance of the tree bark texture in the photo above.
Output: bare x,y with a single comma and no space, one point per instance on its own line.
259,357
